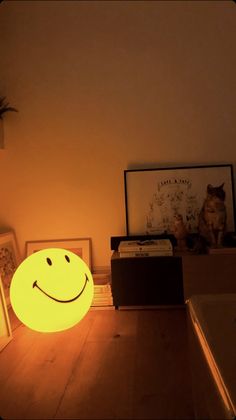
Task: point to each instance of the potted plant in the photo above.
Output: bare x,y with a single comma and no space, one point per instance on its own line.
4,107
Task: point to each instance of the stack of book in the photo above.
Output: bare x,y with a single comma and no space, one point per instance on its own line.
147,248
102,298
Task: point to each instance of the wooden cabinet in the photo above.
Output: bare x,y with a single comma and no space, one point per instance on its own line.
208,274
142,281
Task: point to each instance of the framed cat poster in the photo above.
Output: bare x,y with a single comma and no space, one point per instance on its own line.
153,198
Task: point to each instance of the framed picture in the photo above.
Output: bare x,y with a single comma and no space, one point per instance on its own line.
154,196
81,247
9,260
5,327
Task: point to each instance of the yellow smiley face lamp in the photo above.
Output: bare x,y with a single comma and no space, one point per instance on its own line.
51,290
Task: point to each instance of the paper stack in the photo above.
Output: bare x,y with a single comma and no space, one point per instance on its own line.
102,292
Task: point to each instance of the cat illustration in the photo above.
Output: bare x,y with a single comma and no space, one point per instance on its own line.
212,217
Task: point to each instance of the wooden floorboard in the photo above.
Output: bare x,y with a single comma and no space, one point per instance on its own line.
162,381
101,386
113,365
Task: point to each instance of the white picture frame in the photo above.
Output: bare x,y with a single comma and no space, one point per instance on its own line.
9,261
5,327
153,196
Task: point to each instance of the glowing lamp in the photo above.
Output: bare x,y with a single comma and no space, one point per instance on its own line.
51,290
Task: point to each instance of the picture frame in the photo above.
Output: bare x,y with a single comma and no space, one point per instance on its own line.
154,196
80,246
5,326
9,261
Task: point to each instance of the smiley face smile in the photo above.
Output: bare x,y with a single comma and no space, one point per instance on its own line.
59,300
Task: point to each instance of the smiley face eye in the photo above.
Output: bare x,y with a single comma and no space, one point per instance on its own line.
67,258
49,261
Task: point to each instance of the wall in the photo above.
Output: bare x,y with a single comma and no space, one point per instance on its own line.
102,87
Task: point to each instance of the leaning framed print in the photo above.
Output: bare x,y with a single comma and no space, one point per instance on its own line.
9,260
80,247
5,327
153,197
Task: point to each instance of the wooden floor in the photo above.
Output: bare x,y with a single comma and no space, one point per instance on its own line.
113,365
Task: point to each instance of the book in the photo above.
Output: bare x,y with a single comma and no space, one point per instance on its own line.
102,292
154,246
102,289
105,301
102,307
147,245
146,254
101,278
102,298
